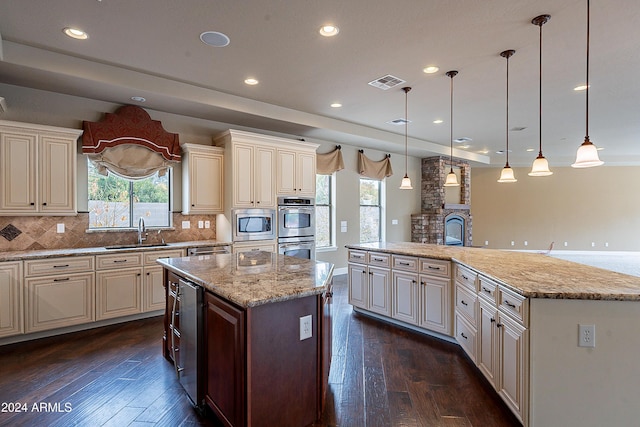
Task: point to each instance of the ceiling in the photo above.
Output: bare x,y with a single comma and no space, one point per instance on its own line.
151,48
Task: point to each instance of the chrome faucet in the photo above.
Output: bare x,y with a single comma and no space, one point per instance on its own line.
141,230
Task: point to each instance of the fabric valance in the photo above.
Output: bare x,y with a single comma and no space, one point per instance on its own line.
374,169
328,163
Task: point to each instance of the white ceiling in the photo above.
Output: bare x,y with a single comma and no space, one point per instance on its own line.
151,48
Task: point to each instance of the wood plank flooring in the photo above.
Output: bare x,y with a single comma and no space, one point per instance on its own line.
116,376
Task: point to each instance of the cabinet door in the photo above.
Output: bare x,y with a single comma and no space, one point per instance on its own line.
118,293
358,285
488,341
286,172
513,362
404,297
435,306
466,336
380,290
18,154
206,186
306,174
57,175
264,180
153,292
58,301
243,176
225,360
11,299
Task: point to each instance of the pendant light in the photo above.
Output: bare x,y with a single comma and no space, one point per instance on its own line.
587,155
540,164
452,179
406,181
507,173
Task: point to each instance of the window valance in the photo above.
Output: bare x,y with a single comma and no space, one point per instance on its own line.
331,162
374,169
130,144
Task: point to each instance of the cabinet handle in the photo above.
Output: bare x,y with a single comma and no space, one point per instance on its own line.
464,277
364,272
463,335
486,290
148,274
44,204
193,206
61,266
414,282
378,259
423,283
357,256
509,304
258,202
32,204
493,320
61,280
404,263
119,260
463,302
433,268
499,325
139,274
371,273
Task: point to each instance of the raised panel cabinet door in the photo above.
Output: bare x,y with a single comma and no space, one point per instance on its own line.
286,181
512,381
11,299
306,174
358,285
435,306
404,297
58,301
57,174
264,180
243,176
18,154
206,182
225,360
488,341
118,293
380,290
153,291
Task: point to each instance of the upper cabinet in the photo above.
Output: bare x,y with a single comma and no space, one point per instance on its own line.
252,180
202,179
38,169
296,172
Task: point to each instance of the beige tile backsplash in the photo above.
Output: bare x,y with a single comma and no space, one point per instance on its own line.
40,232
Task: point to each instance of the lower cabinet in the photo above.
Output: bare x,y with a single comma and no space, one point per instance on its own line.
435,301
153,296
11,295
358,285
404,305
118,293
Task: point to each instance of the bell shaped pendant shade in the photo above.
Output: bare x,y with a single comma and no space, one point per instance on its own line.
507,175
587,155
540,167
406,183
452,179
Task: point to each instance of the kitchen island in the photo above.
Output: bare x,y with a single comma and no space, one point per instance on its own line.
265,336
557,340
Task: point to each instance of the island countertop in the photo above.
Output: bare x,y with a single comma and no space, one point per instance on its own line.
254,278
532,275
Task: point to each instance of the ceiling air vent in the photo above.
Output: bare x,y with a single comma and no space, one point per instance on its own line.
386,82
398,122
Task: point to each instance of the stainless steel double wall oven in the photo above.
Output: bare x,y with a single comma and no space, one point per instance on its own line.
296,226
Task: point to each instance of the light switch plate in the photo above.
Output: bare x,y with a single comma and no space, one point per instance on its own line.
60,228
186,225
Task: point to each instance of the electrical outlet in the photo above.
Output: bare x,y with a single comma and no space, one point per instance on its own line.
186,225
305,327
586,335
60,228
200,224
207,224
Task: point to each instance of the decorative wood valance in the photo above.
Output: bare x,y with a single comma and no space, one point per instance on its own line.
331,162
372,169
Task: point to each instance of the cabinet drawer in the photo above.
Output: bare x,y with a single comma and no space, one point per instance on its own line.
357,256
466,337
62,265
151,257
118,261
466,277
488,289
435,267
380,260
405,263
466,303
514,305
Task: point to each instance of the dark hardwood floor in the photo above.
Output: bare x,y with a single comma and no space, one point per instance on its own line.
381,375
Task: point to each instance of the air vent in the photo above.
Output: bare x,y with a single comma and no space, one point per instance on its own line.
399,122
386,82
518,129
462,140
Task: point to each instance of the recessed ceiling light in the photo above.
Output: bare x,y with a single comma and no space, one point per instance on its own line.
600,148
430,69
251,81
215,39
438,121
483,151
581,87
336,105
329,30
138,99
531,149
465,146
75,33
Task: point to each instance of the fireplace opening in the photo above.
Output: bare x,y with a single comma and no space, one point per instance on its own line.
454,231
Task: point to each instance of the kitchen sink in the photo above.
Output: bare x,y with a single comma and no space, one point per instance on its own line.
136,245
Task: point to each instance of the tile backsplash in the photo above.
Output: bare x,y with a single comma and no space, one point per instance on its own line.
40,232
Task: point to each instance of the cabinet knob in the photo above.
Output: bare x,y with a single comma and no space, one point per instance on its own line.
32,204
493,320
44,204
193,206
258,202
464,303
499,325
463,335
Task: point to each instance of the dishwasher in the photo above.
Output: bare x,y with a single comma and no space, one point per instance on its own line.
190,368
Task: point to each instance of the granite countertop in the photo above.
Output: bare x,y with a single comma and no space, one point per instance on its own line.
53,253
253,278
533,275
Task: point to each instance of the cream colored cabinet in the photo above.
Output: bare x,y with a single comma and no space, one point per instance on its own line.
358,285
11,313
202,179
118,285
38,169
379,292
256,245
434,295
370,281
296,173
253,176
153,292
59,292
404,297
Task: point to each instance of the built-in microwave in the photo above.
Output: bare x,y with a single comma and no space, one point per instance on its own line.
296,217
254,224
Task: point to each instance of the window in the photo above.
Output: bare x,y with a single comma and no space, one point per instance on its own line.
325,230
370,210
116,202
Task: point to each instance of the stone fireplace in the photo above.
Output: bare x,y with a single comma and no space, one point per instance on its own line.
445,216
